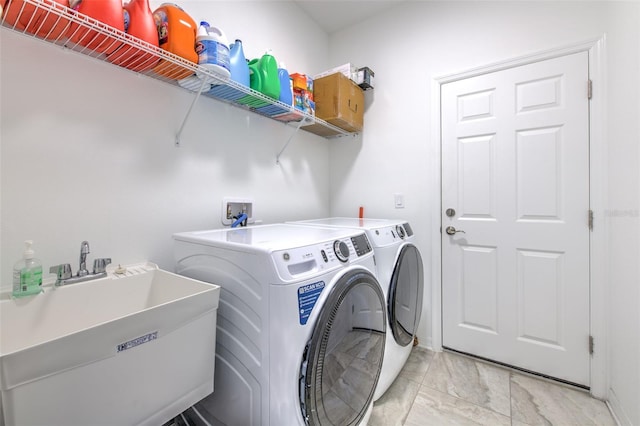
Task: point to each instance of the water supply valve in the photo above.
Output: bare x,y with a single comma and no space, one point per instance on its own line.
232,210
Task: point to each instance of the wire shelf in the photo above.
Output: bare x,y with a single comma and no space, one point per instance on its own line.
51,22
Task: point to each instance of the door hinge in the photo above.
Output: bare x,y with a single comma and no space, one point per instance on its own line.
590,220
591,345
589,89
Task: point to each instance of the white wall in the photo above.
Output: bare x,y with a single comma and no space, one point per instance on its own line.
87,149
623,213
411,45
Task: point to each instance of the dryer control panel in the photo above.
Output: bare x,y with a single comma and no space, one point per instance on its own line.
298,262
391,234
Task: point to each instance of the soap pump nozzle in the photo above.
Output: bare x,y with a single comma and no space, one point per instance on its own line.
28,250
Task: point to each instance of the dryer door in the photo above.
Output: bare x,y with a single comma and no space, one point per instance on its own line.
342,361
405,295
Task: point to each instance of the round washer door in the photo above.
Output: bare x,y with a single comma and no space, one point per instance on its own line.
342,360
405,295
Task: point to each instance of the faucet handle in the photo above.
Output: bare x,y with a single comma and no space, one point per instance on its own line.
100,265
63,271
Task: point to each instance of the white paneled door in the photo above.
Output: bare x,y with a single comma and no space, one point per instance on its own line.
515,199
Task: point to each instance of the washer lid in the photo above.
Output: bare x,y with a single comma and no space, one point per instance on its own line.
266,237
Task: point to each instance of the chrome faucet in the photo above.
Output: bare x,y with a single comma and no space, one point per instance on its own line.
65,275
84,251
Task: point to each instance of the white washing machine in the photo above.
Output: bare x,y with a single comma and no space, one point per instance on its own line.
301,324
400,272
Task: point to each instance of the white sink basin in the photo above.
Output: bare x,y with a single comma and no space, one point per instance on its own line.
135,348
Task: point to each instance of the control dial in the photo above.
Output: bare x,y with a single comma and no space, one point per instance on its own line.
341,249
400,231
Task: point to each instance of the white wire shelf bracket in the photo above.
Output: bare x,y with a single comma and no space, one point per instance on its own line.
53,23
288,141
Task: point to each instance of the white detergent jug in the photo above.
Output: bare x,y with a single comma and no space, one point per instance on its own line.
212,48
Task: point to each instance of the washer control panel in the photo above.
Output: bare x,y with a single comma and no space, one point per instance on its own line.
296,262
341,250
361,244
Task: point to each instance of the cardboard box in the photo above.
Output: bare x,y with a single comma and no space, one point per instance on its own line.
346,69
321,130
340,102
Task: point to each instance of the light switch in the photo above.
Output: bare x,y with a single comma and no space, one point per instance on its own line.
398,200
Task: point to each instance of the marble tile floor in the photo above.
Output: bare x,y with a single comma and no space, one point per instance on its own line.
444,388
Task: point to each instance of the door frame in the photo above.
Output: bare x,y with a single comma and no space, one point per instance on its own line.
597,197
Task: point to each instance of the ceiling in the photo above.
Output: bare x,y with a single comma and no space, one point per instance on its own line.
333,15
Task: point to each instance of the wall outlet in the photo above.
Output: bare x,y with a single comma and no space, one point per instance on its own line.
234,206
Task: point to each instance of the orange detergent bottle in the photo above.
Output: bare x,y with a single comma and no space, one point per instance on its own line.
177,34
142,26
40,22
108,12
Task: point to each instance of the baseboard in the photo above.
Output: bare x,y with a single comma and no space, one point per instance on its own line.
428,344
618,413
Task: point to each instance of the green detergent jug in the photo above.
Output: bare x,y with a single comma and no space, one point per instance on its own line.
255,75
270,79
255,82
263,77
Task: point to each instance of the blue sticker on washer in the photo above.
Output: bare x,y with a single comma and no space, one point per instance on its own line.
307,297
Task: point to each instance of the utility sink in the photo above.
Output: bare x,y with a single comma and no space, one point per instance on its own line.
127,349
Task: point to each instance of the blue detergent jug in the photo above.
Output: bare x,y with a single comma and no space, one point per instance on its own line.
286,88
238,63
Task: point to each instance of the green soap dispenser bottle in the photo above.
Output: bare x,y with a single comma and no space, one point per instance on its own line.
27,273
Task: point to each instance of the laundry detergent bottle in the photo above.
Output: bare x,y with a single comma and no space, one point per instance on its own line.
38,21
238,64
213,51
142,26
255,75
176,34
270,80
255,82
286,88
106,11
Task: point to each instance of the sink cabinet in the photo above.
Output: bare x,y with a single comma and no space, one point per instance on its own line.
131,348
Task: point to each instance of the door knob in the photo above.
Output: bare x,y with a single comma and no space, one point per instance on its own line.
452,231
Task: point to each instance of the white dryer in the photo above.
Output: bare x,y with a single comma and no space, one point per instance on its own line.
301,323
400,272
